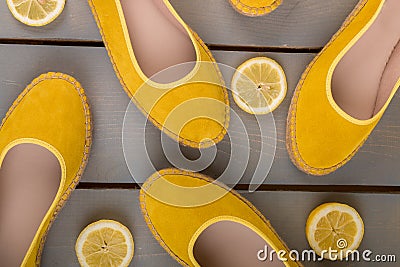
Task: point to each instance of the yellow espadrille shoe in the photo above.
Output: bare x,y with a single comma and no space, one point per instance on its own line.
254,8
346,89
146,40
50,116
191,216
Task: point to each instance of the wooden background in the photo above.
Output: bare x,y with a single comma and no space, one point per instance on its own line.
292,35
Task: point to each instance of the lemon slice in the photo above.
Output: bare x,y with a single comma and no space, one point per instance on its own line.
105,243
259,85
334,227
36,12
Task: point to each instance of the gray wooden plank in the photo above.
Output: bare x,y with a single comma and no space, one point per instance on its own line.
375,164
287,212
295,23
75,23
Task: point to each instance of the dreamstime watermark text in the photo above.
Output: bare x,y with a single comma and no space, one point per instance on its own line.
267,254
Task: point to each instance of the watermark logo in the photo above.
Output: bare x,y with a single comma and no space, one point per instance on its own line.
346,255
341,243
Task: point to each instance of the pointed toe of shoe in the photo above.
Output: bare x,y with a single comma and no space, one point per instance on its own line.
196,114
320,144
53,109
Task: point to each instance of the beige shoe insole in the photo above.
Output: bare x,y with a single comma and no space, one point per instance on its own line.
159,41
29,179
232,244
366,75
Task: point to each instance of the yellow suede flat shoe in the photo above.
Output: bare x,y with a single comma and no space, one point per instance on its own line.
179,206
255,7
52,112
321,137
177,107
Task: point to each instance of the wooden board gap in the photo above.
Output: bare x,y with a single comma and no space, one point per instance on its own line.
52,42
367,189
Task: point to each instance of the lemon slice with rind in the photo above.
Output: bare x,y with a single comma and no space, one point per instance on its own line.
105,243
259,85
334,230
36,12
